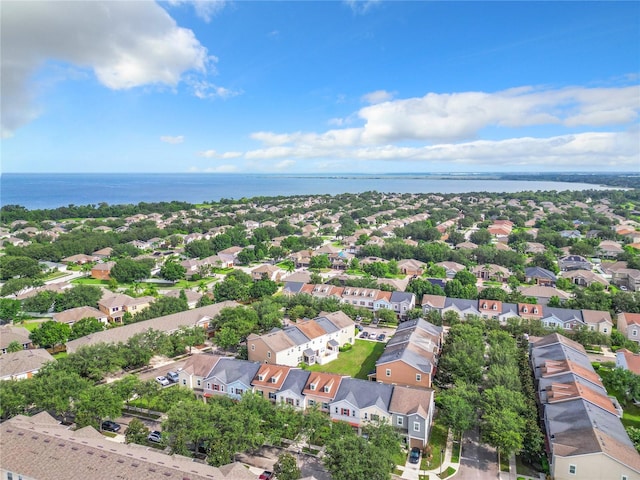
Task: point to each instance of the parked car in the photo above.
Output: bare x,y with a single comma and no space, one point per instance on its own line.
155,436
173,376
266,475
110,426
364,335
372,335
381,337
414,456
359,327
163,381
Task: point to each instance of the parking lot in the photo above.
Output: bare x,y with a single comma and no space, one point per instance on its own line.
376,331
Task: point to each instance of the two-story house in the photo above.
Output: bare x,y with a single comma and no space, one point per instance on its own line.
321,389
359,401
230,377
412,414
629,325
115,306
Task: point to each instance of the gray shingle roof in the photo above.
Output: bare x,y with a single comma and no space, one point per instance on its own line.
362,393
296,380
230,370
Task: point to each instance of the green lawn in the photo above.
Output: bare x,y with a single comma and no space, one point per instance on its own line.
89,281
631,416
54,275
437,443
32,325
357,362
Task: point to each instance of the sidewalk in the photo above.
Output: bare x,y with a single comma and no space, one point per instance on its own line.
413,471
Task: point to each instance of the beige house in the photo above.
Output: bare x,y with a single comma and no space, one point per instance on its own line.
308,341
115,306
269,380
598,321
629,325
23,364
73,315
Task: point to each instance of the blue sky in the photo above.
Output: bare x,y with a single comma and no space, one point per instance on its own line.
330,86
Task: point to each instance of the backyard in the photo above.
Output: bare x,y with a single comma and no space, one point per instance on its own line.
357,362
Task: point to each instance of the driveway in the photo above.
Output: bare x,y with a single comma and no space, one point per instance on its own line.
477,461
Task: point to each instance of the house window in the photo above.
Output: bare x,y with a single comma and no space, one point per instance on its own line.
272,396
289,401
375,418
253,348
365,415
326,406
312,386
624,477
199,382
345,412
418,377
311,403
216,387
572,469
400,421
268,354
416,426
184,381
239,391
604,330
388,372
209,386
634,333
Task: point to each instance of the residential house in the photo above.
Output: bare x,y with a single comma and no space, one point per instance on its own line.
492,272
629,325
10,334
308,341
627,278
565,318
79,259
321,389
584,278
192,297
466,246
584,434
598,321
411,355
23,364
73,315
103,252
412,414
291,392
451,268
574,262
541,276
87,454
411,267
534,248
609,249
230,377
625,359
115,306
490,308
269,380
195,370
358,402
543,294
530,311
101,271
198,317
268,272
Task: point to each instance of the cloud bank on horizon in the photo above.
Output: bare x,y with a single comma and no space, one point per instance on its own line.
352,86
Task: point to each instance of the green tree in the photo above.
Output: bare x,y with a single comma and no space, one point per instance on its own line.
480,237
137,432
9,309
56,389
78,296
458,407
172,271
231,289
286,468
14,346
39,303
19,267
387,316
86,326
127,270
263,288
318,262
96,403
50,333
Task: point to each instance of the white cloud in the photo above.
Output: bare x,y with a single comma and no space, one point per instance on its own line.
204,89
284,164
378,96
361,7
205,9
125,44
214,154
172,140
585,150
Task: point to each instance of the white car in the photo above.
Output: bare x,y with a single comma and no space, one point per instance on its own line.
164,381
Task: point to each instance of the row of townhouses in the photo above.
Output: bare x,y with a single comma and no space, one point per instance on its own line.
354,401
309,341
585,437
371,298
550,317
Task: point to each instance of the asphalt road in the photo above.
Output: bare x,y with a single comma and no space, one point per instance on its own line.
477,461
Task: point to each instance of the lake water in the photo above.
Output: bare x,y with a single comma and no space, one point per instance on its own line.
36,191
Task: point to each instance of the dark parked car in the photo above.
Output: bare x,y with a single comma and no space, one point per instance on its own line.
155,436
110,426
381,337
414,456
364,335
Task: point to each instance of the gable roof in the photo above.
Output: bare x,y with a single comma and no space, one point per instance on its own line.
409,401
230,370
320,380
19,363
200,365
363,394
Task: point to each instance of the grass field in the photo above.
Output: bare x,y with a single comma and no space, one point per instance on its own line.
357,362
437,443
631,416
